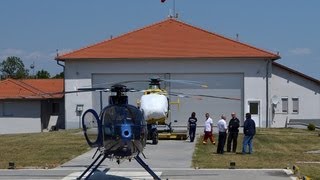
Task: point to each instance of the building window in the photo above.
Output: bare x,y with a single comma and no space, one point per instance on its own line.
295,105
284,105
55,108
254,108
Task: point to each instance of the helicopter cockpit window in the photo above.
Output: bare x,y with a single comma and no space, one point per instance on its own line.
117,117
153,86
117,114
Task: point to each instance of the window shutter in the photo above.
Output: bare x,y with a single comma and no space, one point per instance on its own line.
284,105
295,105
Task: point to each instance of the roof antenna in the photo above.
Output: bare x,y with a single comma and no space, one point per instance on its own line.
32,67
175,15
237,37
172,13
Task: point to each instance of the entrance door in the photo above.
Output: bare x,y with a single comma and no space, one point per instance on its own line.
254,109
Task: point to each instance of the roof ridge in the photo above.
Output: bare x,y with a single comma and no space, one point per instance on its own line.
265,53
23,85
27,88
42,93
18,83
117,37
297,72
227,38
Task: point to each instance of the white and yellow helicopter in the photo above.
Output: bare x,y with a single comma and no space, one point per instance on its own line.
155,105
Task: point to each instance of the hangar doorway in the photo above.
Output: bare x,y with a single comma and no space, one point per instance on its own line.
224,85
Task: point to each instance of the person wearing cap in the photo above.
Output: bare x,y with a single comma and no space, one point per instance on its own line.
249,130
222,127
208,130
233,129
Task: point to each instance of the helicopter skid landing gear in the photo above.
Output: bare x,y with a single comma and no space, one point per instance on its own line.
137,158
91,165
146,167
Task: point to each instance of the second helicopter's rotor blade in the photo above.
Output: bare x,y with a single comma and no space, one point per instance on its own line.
189,82
202,95
218,97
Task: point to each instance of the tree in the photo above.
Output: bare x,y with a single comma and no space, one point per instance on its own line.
59,76
13,67
43,74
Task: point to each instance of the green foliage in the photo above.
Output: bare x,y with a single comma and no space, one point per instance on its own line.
43,74
311,127
59,76
13,67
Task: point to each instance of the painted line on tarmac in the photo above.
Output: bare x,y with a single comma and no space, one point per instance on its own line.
113,174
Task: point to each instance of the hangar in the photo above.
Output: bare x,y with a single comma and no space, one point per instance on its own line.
173,49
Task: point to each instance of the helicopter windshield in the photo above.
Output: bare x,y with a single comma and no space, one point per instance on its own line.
124,113
116,117
154,86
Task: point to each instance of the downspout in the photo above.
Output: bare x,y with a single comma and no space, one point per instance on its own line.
64,99
58,62
267,92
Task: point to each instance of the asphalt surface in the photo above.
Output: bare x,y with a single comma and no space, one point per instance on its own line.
169,159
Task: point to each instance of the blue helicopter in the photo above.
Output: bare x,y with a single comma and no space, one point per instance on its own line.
120,131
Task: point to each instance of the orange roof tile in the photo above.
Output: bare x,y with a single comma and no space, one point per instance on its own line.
31,89
169,39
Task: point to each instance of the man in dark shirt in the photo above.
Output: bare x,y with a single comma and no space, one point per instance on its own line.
192,126
233,129
249,130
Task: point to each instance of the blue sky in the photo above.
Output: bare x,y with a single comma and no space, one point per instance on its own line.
34,29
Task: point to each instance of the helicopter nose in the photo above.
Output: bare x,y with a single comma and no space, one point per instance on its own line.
126,131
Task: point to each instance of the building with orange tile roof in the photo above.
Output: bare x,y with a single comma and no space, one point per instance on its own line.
31,105
173,49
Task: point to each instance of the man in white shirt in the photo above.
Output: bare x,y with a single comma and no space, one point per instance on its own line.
222,127
208,130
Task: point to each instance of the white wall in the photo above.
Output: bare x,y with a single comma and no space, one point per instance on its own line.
20,117
78,73
290,85
11,125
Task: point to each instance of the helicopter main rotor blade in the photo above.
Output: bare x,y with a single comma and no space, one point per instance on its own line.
80,90
120,82
93,89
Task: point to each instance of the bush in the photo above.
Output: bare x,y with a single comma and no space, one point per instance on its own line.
311,127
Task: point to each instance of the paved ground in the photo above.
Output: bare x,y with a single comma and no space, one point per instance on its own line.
169,159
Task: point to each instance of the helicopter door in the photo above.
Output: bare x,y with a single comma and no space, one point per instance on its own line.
92,128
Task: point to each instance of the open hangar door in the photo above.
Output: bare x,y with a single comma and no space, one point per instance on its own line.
223,85
104,80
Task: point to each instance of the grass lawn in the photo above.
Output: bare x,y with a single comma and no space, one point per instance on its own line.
41,150
273,148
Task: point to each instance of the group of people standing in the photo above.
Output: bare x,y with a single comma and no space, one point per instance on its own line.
226,133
